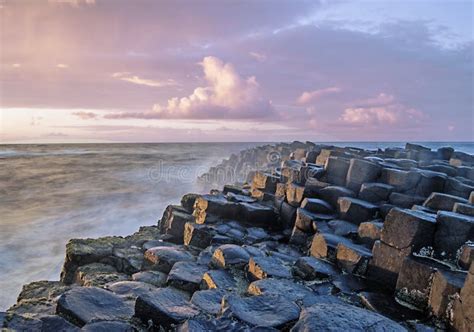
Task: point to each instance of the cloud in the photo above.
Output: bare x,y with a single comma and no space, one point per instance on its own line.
383,109
16,65
62,66
74,3
226,95
85,115
127,77
311,96
258,56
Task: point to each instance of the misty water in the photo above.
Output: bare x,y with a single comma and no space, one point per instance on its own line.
51,193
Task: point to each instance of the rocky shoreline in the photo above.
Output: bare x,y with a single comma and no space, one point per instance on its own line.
304,237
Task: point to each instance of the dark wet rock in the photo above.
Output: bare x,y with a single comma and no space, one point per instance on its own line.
313,187
188,200
164,307
304,220
107,326
386,263
444,285
361,171
466,209
370,231
430,182
407,228
130,290
310,268
453,230
386,305
343,317
198,235
163,258
216,205
467,256
336,170
416,147
439,201
457,188
256,234
405,201
267,267
86,251
262,310
316,205
219,324
208,300
97,274
83,305
233,197
220,279
355,210
414,281
343,228
229,255
34,308
257,214
287,215
186,275
294,194
283,287
332,193
374,192
299,238
353,258
154,278
173,221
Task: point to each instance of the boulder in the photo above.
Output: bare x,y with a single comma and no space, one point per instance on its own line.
402,181
429,182
294,194
342,317
386,263
353,258
186,275
197,235
209,300
163,258
228,255
336,170
267,267
374,192
311,268
331,194
165,306
444,285
173,220
262,310
439,201
361,171
404,229
316,205
83,305
220,279
355,210
466,209
370,231
453,230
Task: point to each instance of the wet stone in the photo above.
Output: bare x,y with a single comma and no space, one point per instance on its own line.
336,170
164,307
154,278
82,305
197,235
115,326
386,305
294,194
439,201
267,267
407,228
220,279
361,171
57,323
286,288
343,228
374,192
262,310
453,230
310,268
331,194
405,201
316,205
130,289
343,317
257,214
355,210
173,221
228,255
208,300
163,258
186,275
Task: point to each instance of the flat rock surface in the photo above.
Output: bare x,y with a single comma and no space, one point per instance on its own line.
285,288
86,304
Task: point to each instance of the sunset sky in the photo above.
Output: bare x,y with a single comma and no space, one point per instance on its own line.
188,71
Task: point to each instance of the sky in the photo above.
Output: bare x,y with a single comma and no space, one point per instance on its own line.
209,70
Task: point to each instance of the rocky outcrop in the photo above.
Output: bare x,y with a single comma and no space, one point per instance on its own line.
302,237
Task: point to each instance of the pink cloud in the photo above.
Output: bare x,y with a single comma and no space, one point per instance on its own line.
310,96
85,115
227,95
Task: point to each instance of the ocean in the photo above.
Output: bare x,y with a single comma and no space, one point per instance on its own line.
50,193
